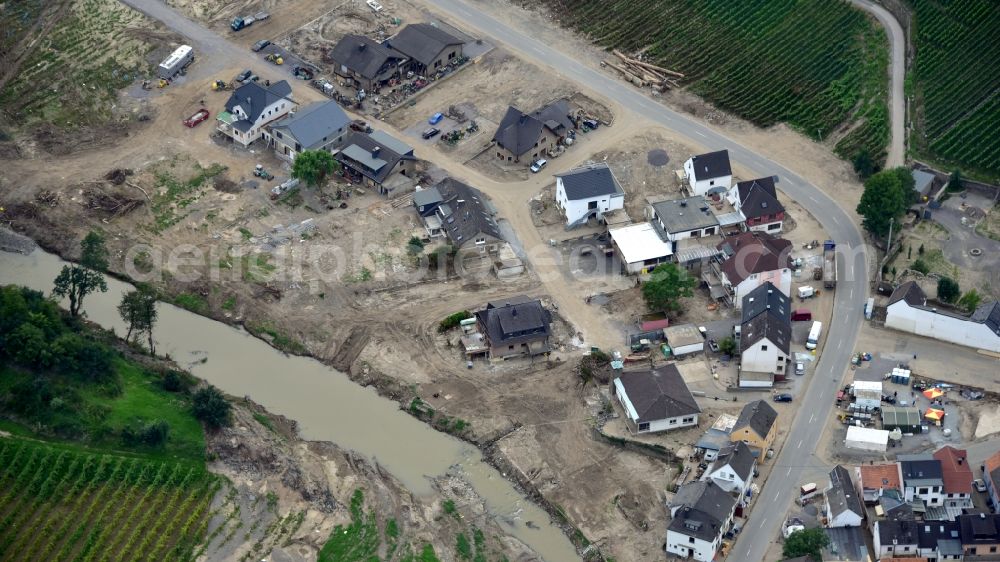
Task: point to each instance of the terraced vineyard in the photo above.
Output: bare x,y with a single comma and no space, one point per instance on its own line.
957,71
59,502
86,52
815,64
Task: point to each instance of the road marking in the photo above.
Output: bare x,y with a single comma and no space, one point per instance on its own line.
762,523
840,344
700,134
775,498
787,473
851,294
812,417
799,445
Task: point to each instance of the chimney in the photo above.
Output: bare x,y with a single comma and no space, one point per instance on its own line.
362,47
684,203
513,311
375,151
960,459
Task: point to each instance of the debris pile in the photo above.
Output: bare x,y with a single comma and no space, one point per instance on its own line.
281,235
111,204
118,175
225,185
47,197
644,74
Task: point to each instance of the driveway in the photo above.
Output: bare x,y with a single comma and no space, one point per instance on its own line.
964,238
897,75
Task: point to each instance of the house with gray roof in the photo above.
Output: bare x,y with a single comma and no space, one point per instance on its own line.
709,173
375,159
733,469
756,426
428,47
252,107
588,191
923,478
367,63
765,336
680,219
655,400
532,135
514,327
701,513
843,504
896,538
908,311
318,126
758,201
465,217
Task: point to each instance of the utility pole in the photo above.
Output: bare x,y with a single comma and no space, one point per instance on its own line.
888,248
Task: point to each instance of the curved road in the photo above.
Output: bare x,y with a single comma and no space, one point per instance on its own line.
817,402
852,290
897,75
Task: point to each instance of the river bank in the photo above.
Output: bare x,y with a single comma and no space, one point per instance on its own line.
328,407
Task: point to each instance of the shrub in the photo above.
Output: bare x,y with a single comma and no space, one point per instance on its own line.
453,321
211,407
920,266
948,289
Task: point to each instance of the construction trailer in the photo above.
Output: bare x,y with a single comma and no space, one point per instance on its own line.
176,62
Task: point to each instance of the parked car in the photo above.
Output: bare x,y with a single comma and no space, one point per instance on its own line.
713,345
435,119
800,368
259,45
537,165
782,397
244,76
375,6
801,315
431,132
197,118
979,484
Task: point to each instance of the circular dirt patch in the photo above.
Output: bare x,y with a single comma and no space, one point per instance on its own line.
976,252
658,157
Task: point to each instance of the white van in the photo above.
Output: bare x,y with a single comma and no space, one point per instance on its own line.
806,292
814,333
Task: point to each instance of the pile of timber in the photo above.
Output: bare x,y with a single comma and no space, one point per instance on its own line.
644,74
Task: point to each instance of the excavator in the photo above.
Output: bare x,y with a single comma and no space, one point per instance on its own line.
276,59
219,85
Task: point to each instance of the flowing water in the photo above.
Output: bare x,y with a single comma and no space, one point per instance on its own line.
327,405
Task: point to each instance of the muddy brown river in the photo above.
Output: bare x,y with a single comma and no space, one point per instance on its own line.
327,405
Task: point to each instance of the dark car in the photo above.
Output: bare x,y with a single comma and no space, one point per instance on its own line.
782,397
260,45
242,77
713,345
431,133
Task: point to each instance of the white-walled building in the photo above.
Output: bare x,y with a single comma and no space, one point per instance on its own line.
765,337
896,539
922,478
867,394
656,400
733,468
957,476
908,312
709,173
319,126
640,248
253,106
842,502
701,513
680,219
748,261
684,339
588,191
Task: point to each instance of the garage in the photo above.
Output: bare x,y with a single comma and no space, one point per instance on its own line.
684,339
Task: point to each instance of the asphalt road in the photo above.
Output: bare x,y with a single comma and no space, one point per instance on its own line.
777,493
897,75
852,290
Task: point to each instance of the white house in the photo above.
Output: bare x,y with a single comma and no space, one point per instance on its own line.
896,539
701,514
765,337
319,126
757,201
956,475
680,219
253,106
640,248
908,312
656,400
922,478
843,505
588,191
748,261
709,173
733,468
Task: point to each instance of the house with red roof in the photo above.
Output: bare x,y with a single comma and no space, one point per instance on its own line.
991,476
957,476
875,480
747,261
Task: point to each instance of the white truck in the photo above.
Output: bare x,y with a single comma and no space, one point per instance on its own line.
814,333
806,292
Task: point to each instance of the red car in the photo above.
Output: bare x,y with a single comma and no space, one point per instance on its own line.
197,118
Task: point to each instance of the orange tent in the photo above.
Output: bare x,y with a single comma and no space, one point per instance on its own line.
932,393
934,414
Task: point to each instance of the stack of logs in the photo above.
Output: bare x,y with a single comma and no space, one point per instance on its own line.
644,74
